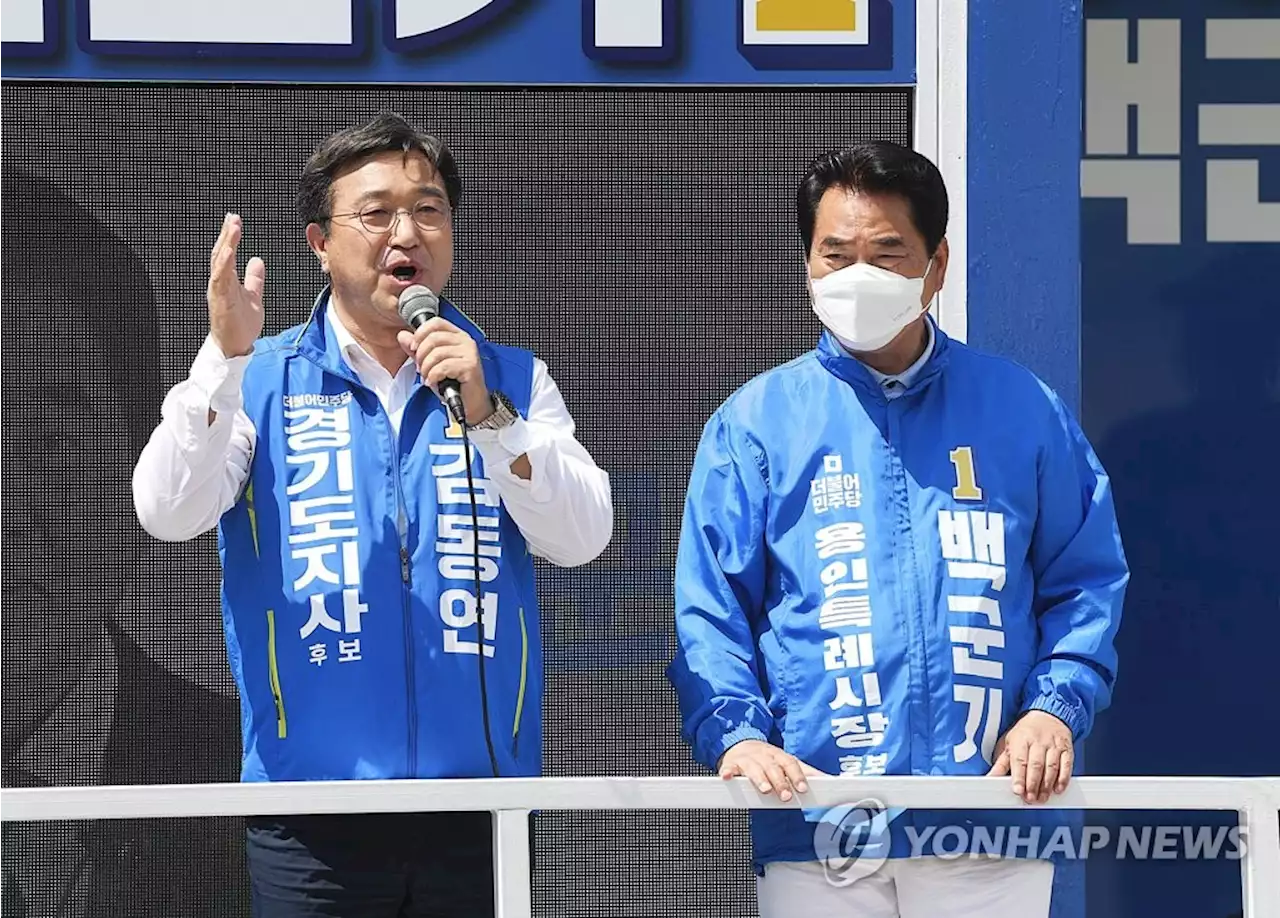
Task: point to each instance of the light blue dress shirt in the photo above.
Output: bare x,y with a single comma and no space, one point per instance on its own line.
898,383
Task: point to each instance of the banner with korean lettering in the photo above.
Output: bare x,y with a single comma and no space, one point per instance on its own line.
500,42
1180,361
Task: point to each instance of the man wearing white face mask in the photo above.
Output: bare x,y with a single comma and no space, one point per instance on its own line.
898,556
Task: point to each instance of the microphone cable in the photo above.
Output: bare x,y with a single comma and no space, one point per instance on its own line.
417,305
479,588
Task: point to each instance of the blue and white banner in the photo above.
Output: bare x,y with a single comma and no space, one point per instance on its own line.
1180,365
465,41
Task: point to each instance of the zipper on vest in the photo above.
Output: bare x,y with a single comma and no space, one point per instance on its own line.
402,526
402,535
915,609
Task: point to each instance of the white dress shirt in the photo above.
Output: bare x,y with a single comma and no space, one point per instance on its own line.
191,471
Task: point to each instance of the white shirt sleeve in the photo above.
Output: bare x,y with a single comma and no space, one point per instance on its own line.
190,472
565,511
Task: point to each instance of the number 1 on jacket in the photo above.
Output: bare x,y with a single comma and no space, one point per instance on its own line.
966,481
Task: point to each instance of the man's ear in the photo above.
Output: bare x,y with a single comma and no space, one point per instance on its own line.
318,242
941,258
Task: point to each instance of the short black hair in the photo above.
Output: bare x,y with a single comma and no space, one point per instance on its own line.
876,167
386,133
50,241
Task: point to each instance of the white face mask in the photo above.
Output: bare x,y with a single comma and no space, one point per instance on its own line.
865,307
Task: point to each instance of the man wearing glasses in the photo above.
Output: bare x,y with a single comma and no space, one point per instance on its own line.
378,588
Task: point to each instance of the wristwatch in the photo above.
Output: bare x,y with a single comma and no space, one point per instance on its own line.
504,413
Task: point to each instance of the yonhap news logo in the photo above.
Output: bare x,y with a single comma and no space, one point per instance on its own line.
1139,843
853,841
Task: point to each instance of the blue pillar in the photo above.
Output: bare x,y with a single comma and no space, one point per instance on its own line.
1024,102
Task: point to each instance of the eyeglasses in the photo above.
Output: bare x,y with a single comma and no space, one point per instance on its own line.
427,215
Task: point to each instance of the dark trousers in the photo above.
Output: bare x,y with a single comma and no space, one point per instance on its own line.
420,865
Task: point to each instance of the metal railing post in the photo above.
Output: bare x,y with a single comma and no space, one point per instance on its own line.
1260,867
512,874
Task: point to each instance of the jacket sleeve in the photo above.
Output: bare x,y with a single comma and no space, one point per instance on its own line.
1081,575
719,598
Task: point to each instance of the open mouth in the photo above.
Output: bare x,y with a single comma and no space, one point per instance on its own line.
405,274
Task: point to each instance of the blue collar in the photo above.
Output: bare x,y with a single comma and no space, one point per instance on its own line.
900,382
833,356
316,341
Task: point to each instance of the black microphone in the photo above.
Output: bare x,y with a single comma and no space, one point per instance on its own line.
418,305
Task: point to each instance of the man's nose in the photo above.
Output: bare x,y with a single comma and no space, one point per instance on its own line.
404,232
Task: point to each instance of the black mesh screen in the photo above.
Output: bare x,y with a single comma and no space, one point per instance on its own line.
642,242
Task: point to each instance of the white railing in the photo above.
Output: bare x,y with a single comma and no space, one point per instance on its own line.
1256,800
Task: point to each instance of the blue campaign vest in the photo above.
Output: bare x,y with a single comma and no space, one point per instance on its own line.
881,586
348,588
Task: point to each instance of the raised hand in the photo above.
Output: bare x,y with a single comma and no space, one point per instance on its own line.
235,309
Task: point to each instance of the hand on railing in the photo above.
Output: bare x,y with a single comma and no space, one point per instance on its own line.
1039,754
767,767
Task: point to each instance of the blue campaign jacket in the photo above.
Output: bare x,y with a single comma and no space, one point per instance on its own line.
348,579
882,586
